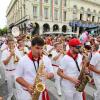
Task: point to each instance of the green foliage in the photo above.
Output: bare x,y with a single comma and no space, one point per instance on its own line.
3,31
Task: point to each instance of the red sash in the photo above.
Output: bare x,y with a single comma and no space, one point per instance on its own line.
45,95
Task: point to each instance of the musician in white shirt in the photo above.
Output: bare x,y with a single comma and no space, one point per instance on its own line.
69,71
27,69
22,48
95,68
57,55
8,60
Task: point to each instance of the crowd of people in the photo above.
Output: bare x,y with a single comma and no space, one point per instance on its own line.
63,59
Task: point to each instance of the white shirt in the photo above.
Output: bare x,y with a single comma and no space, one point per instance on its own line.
99,48
28,43
95,61
26,50
48,47
67,47
3,47
26,68
6,54
69,67
54,54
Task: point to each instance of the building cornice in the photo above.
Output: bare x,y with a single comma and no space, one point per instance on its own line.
11,4
96,2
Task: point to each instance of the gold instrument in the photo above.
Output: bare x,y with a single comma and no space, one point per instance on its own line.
16,59
28,37
84,77
39,87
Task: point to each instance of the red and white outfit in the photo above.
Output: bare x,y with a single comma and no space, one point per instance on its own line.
95,61
56,65
69,68
10,70
26,70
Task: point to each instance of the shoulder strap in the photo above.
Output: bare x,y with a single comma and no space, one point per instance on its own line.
77,65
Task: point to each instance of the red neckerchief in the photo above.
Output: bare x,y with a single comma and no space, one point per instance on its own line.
45,95
69,54
31,56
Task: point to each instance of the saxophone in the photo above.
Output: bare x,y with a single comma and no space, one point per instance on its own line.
38,87
84,77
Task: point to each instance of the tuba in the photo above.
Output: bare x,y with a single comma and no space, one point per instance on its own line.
84,77
38,86
15,31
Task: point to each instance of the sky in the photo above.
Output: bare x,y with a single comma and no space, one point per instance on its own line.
3,7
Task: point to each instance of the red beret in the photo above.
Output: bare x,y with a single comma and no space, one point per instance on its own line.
74,42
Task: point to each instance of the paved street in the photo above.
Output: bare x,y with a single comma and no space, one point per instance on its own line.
52,91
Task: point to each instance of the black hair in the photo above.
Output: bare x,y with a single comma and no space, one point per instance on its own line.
37,41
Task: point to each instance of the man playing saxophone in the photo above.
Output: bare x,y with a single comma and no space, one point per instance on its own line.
27,70
69,71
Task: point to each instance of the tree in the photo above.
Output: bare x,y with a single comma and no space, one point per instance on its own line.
3,31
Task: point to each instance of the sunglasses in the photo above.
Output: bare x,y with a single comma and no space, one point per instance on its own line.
77,47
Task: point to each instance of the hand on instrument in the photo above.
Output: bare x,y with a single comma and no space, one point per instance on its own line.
30,89
61,51
75,80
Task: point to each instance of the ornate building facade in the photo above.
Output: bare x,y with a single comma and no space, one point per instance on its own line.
54,15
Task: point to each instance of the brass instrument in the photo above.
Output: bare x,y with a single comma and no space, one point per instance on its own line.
16,59
39,87
84,77
28,37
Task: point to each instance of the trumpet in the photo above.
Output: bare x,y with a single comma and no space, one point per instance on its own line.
28,37
16,59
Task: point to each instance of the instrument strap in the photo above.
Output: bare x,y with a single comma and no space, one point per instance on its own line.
77,65
36,68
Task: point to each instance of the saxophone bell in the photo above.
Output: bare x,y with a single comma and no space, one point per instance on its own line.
40,87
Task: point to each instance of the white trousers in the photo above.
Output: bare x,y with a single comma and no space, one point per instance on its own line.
24,95
10,83
57,80
71,95
97,93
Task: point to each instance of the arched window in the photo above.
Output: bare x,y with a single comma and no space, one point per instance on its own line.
88,14
81,13
75,10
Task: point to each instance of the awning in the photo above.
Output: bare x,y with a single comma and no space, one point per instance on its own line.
83,24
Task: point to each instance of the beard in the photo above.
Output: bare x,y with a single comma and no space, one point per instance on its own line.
76,51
